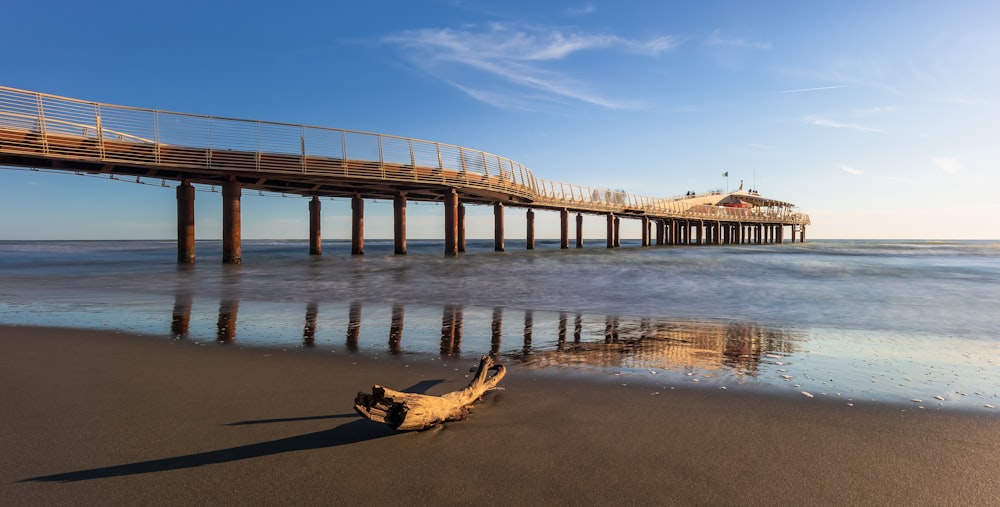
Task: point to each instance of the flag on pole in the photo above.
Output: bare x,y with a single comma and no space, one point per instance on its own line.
726,174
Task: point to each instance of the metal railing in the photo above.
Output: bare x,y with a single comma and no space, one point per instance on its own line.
60,127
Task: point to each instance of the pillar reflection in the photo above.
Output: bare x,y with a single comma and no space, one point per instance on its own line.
611,329
309,330
396,328
353,326
529,318
226,325
497,325
229,303
561,339
451,330
180,321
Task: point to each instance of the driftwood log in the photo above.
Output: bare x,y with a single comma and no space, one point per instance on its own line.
410,411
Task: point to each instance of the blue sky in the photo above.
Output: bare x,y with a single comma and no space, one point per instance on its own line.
879,119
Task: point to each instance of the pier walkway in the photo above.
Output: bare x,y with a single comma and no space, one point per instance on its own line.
49,132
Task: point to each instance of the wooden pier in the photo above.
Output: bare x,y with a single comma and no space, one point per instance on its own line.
57,133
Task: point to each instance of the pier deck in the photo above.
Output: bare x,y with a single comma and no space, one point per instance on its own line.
57,133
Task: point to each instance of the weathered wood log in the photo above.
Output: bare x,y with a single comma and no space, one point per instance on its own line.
410,411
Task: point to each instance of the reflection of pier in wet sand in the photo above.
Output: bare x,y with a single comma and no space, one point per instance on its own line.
547,339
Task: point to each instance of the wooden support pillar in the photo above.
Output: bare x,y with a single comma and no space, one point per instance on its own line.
659,233
645,231
673,232
232,250
530,217
185,223
315,239
399,224
618,232
802,233
451,223
357,225
579,230
461,228
611,230
564,228
498,227
699,228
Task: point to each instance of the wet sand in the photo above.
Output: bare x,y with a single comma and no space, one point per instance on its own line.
94,417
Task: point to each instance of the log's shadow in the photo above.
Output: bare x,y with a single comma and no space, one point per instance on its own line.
352,432
291,419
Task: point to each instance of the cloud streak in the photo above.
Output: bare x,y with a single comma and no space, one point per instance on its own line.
521,59
851,170
826,122
816,89
716,39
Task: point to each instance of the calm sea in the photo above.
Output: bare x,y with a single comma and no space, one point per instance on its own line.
909,322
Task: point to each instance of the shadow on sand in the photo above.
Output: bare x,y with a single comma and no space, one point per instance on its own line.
352,432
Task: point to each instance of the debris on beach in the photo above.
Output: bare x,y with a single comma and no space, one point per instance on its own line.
807,394
411,411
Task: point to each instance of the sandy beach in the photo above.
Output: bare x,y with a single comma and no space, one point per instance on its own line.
95,417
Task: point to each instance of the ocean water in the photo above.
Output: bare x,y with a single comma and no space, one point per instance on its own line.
915,323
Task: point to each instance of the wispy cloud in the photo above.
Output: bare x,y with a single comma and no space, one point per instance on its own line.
588,8
826,122
815,89
520,58
716,39
851,170
948,164
874,110
852,73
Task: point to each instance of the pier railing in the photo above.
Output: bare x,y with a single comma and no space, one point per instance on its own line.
60,127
